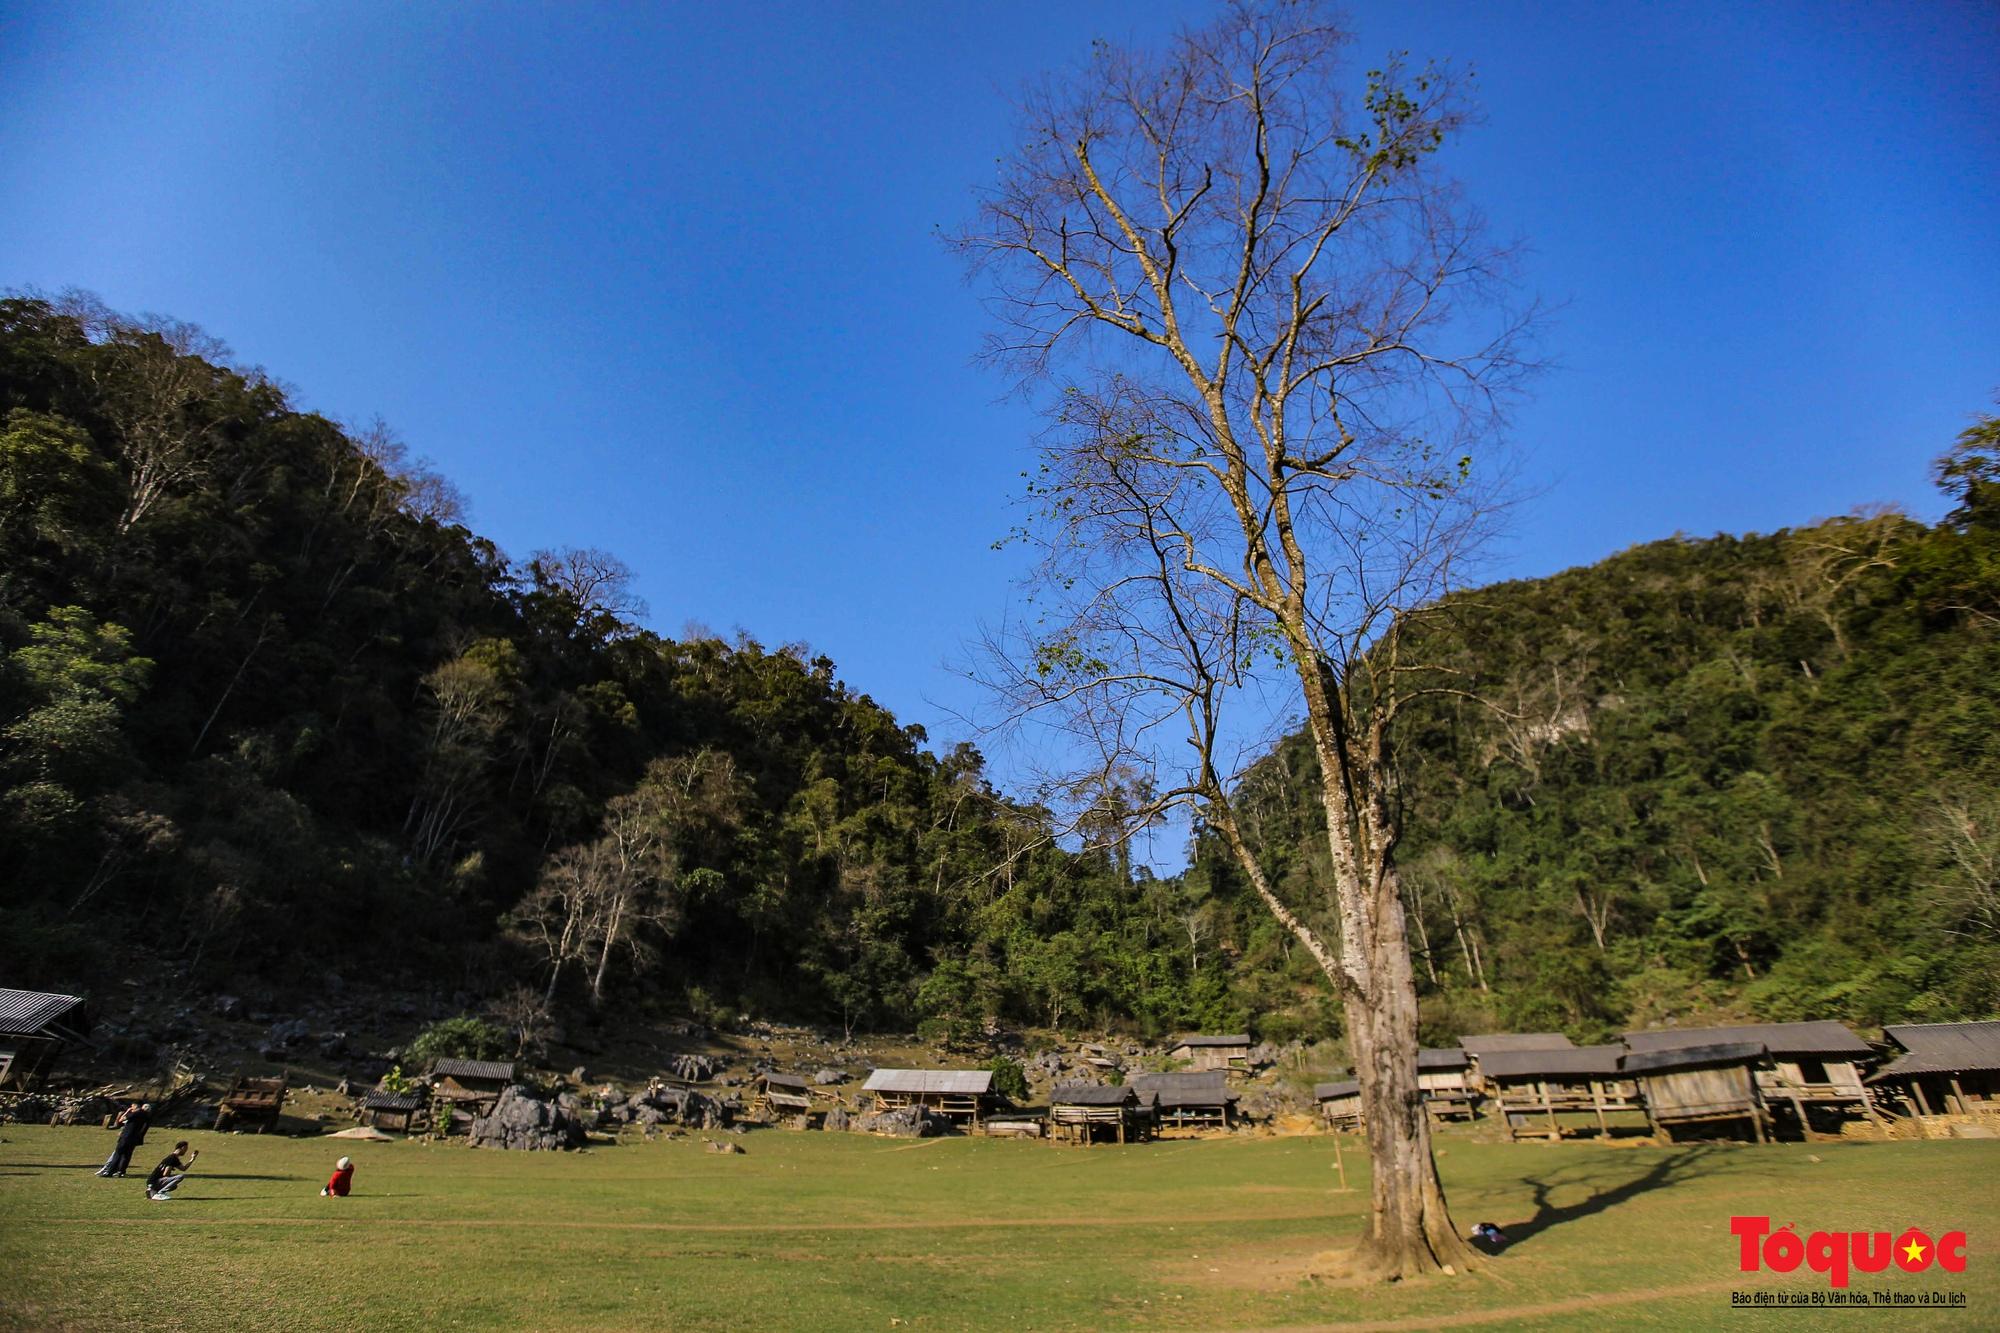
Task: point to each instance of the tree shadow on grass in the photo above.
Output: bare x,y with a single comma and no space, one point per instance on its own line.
1668,1170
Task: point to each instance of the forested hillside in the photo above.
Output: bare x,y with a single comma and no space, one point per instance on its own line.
1756,775
267,705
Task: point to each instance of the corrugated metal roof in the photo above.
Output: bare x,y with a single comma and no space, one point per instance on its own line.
1206,1087
777,1080
1570,1062
1692,1057
1326,1092
27,1012
1822,1037
1446,1057
451,1067
1091,1094
391,1101
1943,1048
957,1082
1480,1044
1232,1039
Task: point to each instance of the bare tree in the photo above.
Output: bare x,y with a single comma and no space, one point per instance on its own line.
596,584
1282,340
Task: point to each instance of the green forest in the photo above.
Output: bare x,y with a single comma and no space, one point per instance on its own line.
268,706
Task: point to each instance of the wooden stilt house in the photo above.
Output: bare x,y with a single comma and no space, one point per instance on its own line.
786,1096
1811,1067
1532,1089
35,1028
1202,1053
1482,1044
394,1112
1699,1087
464,1090
1944,1068
1082,1112
1444,1075
962,1094
1188,1099
1340,1105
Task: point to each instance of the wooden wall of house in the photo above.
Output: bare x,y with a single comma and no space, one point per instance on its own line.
1680,1093
1441,1080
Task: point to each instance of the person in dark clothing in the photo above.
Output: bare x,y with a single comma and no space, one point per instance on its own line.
132,1123
169,1174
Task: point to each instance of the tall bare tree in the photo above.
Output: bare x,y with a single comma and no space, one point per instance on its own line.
1279,339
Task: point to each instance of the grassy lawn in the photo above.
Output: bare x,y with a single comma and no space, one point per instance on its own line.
842,1231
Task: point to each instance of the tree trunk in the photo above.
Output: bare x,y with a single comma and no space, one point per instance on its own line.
1410,1231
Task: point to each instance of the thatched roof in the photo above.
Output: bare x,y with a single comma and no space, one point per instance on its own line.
1942,1048
1692,1057
31,1013
1572,1062
1327,1092
491,1071
1482,1044
1232,1039
1447,1057
955,1082
1821,1039
1188,1088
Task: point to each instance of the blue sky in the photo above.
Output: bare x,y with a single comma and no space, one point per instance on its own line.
664,280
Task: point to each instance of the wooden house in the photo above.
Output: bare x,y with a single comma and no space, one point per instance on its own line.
1698,1087
1532,1088
1481,1044
464,1090
35,1028
962,1094
253,1103
1189,1098
395,1112
1444,1076
1081,1112
1816,1066
1944,1068
1202,1053
1340,1105
786,1096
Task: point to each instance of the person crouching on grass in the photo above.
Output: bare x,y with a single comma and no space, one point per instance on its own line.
343,1179
169,1174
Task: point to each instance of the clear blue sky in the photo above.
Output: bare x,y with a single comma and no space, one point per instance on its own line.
663,279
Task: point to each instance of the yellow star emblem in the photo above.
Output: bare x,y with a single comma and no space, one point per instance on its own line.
1915,1251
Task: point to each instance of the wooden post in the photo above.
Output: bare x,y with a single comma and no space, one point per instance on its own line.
1555,1130
1805,1125
1339,1164
1958,1095
1597,1104
1917,1087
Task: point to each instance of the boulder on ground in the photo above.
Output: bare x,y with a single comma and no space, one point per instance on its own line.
524,1122
908,1122
837,1119
681,1106
824,1077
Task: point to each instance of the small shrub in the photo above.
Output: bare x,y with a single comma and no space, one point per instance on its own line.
1009,1079
464,1037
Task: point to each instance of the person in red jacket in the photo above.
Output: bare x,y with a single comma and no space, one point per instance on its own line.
342,1180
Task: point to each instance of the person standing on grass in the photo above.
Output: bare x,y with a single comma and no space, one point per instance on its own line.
169,1174
342,1180
132,1122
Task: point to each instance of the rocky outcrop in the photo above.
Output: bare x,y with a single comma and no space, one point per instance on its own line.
909,1122
525,1122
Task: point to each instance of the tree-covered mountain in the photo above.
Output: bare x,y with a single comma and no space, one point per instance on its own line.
268,706
1756,775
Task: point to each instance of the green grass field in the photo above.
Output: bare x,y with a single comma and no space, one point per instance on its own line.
842,1231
